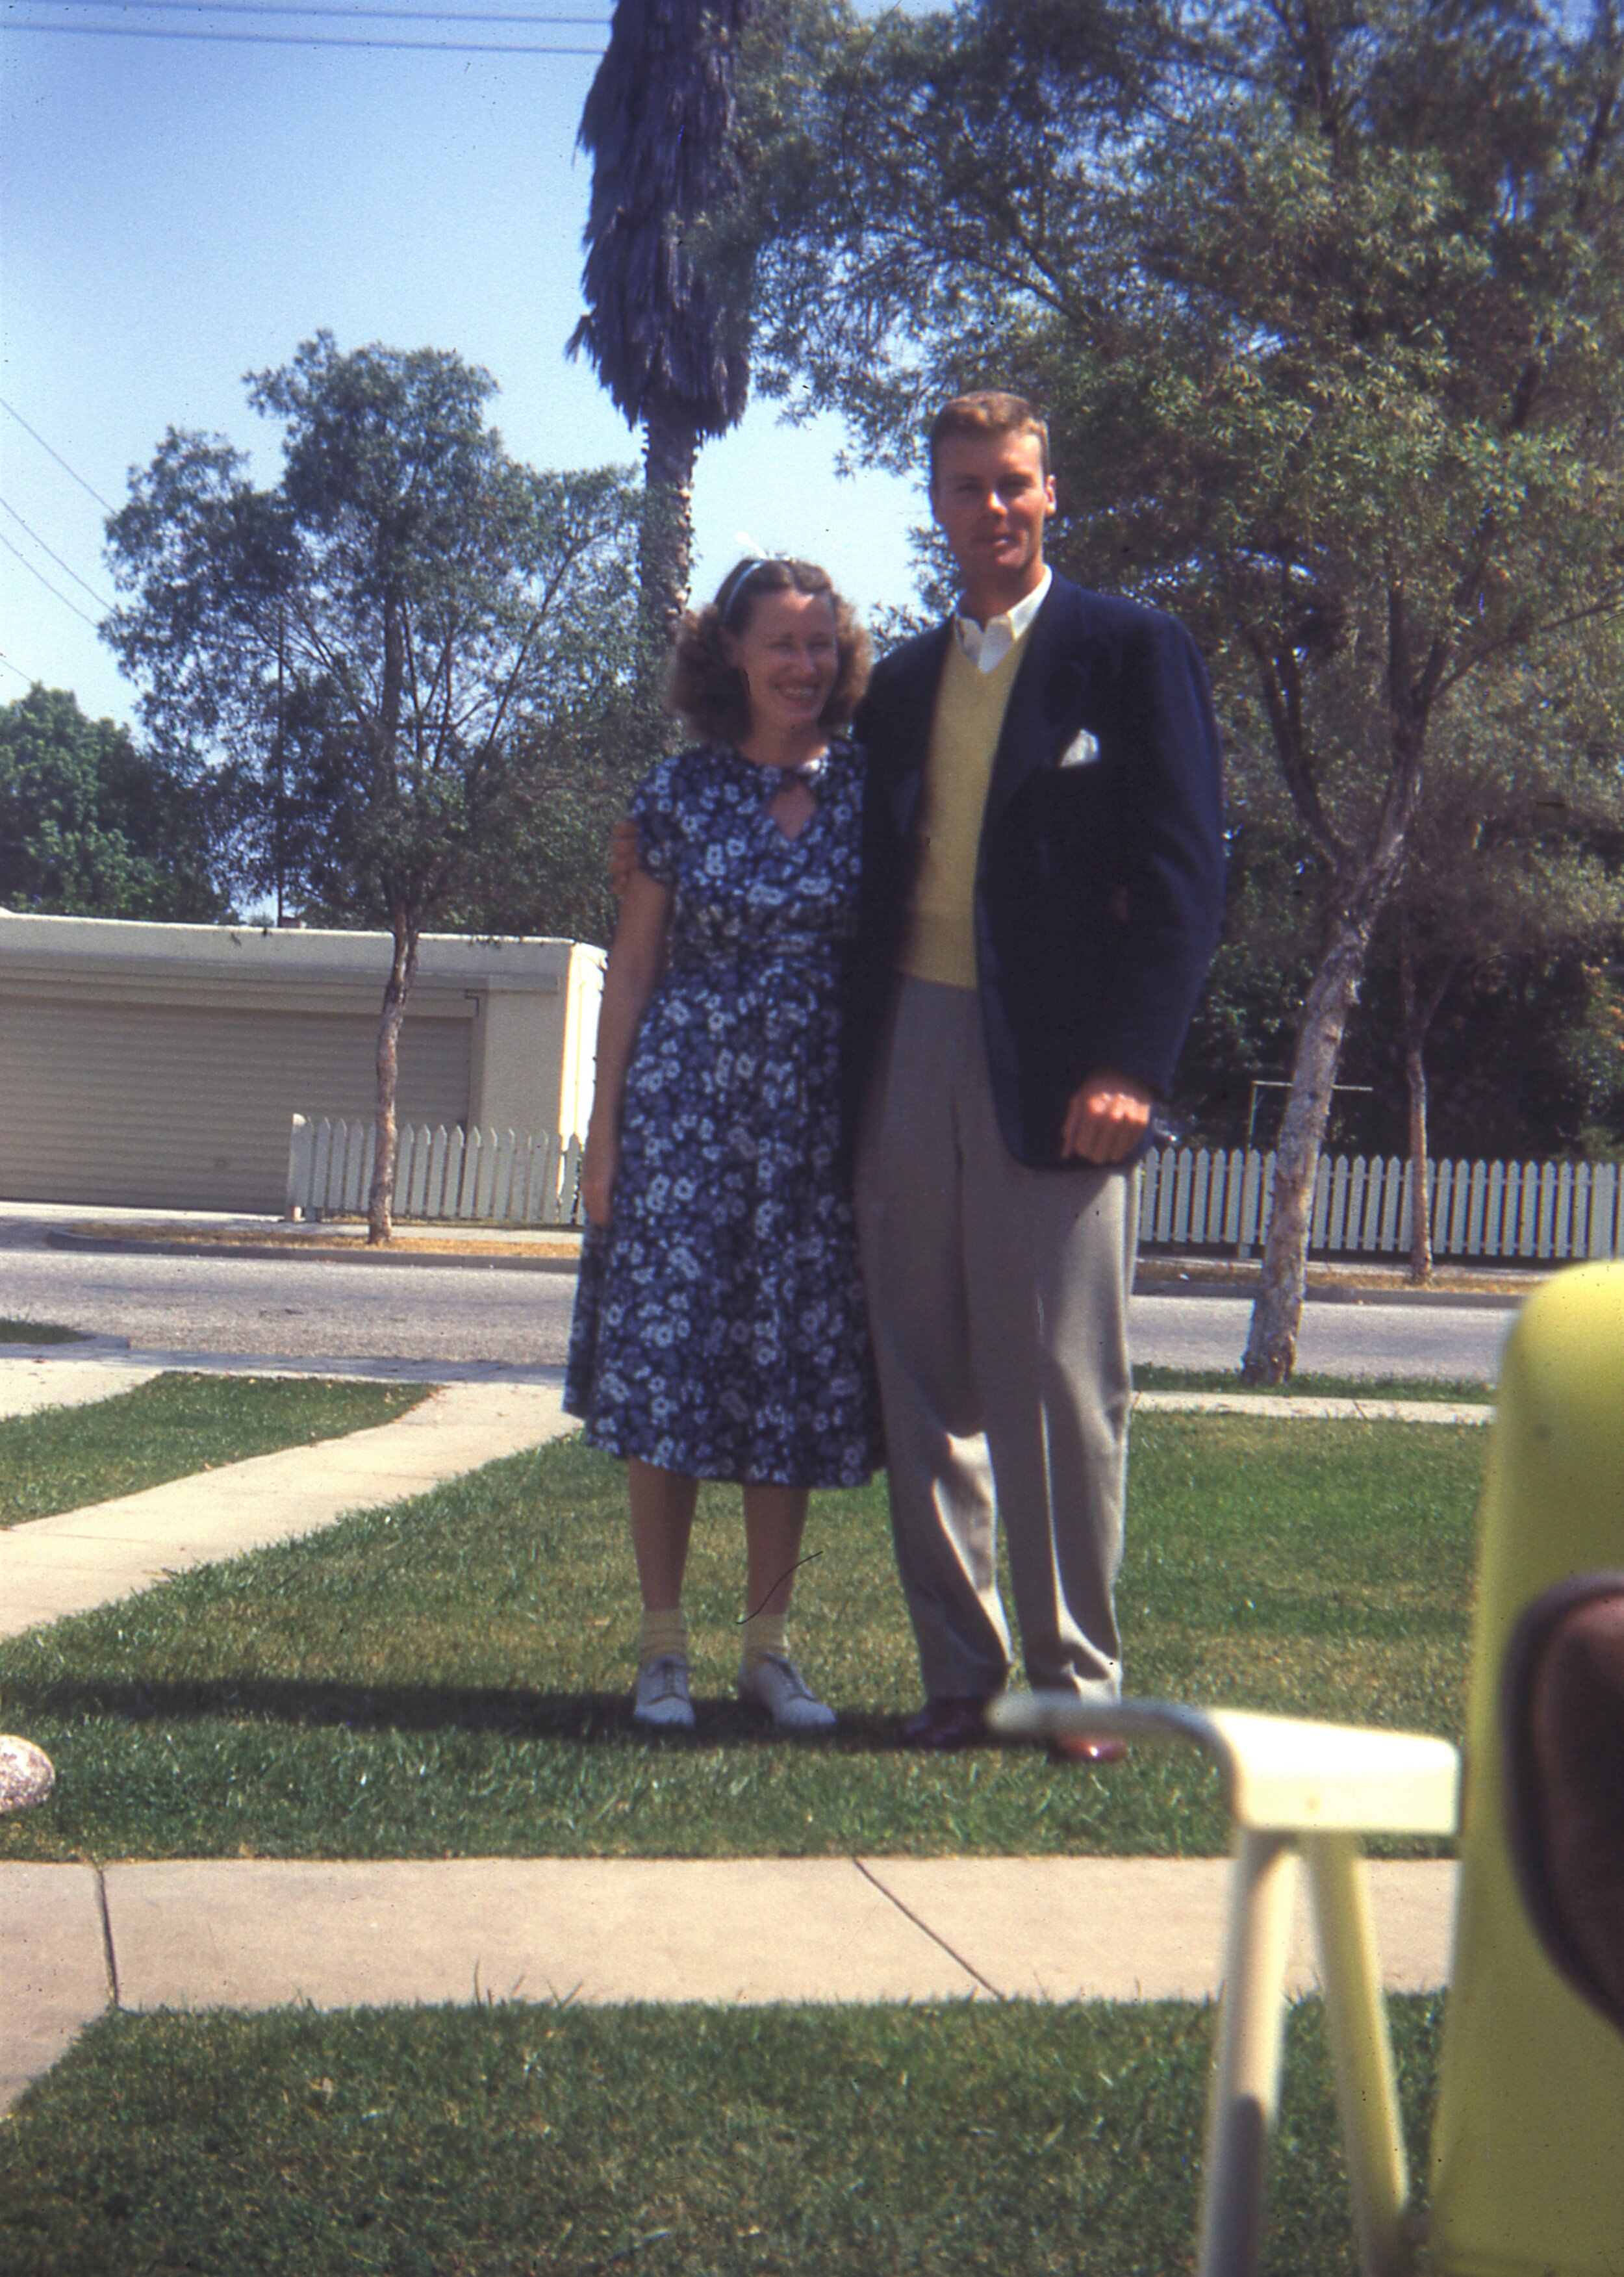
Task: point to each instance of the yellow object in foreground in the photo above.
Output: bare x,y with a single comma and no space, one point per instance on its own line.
1529,2146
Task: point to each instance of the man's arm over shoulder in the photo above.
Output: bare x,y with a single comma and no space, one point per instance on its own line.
900,688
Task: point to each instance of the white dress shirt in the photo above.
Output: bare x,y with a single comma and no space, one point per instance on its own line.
987,646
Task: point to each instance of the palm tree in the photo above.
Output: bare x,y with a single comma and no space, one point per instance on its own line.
657,122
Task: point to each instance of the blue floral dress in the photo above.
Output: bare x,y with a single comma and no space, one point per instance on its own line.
719,1326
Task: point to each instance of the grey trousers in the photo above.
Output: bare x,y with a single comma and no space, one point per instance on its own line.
998,1298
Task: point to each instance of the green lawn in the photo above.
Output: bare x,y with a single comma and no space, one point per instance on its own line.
969,2140
67,1457
451,1677
1306,1385
37,1332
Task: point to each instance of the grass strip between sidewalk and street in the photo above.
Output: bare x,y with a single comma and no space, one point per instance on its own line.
1452,1390
451,1677
964,2141
37,1332
64,1457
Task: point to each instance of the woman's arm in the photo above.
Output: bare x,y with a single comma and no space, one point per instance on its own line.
635,965
622,857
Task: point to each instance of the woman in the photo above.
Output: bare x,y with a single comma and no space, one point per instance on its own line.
720,1329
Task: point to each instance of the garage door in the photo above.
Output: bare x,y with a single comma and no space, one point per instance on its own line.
167,1107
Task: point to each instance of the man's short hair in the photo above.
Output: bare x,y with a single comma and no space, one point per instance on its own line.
988,411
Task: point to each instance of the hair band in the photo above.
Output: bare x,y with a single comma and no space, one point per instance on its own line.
742,579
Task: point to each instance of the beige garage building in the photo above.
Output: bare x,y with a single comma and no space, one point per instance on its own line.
161,1065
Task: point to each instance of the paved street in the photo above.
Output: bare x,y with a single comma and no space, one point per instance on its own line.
315,1309
302,1309
1337,1339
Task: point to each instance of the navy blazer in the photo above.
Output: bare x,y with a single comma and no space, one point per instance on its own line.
1100,874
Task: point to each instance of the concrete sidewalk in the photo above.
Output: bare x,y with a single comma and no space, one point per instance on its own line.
70,1374
35,1380
258,1933
82,1558
1308,1409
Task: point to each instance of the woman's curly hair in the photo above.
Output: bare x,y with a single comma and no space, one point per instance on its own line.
709,693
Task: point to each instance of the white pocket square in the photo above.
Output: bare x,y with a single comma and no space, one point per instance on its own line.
1081,751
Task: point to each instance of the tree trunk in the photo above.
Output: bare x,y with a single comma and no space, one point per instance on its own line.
1415,1081
402,971
1271,1346
1421,1211
1363,884
1277,1314
1418,1014
665,554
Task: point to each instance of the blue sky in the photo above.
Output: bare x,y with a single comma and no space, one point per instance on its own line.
175,213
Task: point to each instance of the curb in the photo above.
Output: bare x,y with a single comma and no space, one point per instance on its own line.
365,1369
1460,1300
358,1253
86,1347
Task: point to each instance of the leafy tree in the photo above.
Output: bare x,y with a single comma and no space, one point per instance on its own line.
1327,304
1590,1053
569,779
90,827
362,645
1512,857
1514,866
669,346
1496,939
1522,1059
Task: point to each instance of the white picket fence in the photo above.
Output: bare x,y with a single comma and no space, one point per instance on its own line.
1190,1199
1198,1199
504,1177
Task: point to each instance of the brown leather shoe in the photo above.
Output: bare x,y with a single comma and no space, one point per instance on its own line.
1069,1748
945,1726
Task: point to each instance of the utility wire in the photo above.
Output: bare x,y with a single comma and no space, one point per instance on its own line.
56,455
45,581
99,600
300,39
270,8
17,668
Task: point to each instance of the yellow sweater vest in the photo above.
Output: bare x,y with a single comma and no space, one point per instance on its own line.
939,944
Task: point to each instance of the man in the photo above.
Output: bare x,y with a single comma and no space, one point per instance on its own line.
1042,888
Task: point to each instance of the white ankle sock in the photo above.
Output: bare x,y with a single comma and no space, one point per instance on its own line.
662,1633
765,1634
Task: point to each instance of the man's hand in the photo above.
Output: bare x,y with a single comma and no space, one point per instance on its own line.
1107,1118
622,855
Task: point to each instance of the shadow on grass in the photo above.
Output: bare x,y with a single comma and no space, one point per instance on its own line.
515,1713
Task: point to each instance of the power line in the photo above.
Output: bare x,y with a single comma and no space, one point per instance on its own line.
17,668
56,455
45,581
298,40
100,602
271,8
